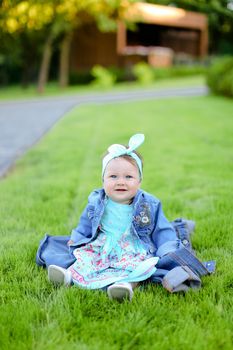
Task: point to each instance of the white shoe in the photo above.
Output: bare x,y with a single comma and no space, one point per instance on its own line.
58,275
120,291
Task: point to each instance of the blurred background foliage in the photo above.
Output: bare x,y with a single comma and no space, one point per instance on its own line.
35,38
31,31
220,76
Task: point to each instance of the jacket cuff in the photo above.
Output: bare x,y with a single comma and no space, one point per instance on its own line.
180,279
184,257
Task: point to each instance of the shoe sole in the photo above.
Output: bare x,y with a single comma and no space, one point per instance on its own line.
57,276
119,293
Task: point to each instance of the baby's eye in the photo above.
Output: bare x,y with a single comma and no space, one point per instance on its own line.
129,176
113,176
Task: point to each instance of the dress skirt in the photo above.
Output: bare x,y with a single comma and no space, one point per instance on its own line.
109,259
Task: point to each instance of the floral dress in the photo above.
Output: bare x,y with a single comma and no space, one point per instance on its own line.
115,255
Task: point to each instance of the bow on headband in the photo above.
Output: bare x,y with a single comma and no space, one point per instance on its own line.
116,150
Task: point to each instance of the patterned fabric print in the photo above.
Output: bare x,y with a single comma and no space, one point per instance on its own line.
115,255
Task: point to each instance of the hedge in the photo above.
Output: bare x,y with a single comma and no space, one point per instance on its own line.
220,76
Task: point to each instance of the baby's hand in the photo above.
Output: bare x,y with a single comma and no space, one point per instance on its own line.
70,242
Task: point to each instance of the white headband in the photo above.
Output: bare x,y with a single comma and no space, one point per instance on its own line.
116,150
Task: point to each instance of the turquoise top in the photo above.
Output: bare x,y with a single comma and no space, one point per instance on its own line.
117,218
115,222
116,255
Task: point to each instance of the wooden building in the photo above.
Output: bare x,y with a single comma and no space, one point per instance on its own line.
160,32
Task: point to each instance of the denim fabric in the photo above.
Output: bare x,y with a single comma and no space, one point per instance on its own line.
181,257
149,223
53,250
181,279
159,237
184,257
183,229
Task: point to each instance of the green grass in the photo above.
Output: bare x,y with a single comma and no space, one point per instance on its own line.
188,165
52,89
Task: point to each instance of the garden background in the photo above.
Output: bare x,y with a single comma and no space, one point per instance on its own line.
188,166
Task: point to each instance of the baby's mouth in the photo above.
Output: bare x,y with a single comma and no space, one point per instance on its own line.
120,190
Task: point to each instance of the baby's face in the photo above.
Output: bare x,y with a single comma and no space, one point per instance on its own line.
121,180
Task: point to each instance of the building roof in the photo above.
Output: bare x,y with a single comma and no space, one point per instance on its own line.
165,15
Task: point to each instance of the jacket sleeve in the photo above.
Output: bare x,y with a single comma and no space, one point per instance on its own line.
164,236
84,228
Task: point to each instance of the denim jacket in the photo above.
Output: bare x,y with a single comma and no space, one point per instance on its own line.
178,269
149,223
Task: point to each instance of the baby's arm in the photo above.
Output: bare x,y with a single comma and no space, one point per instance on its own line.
164,235
83,230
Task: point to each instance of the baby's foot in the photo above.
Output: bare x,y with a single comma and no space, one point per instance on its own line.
120,291
58,275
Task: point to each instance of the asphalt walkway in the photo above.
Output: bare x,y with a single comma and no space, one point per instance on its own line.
24,122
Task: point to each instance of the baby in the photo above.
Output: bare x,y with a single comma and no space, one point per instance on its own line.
121,232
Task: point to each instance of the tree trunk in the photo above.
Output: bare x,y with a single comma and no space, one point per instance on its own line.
65,60
45,65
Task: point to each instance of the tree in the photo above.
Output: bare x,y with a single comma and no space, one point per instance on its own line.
77,13
38,24
22,23
65,17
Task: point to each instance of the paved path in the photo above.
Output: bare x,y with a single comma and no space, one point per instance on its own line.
24,122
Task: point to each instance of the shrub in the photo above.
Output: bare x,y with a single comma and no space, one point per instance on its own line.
122,74
103,77
147,74
143,72
178,71
220,76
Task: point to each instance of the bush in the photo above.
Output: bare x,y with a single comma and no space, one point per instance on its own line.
103,77
220,76
178,71
143,72
147,74
122,74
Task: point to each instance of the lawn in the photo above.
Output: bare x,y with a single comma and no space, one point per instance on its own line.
188,165
52,89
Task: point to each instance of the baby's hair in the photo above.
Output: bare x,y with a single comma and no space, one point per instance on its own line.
132,160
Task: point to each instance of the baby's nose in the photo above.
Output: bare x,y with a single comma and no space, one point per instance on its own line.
120,181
